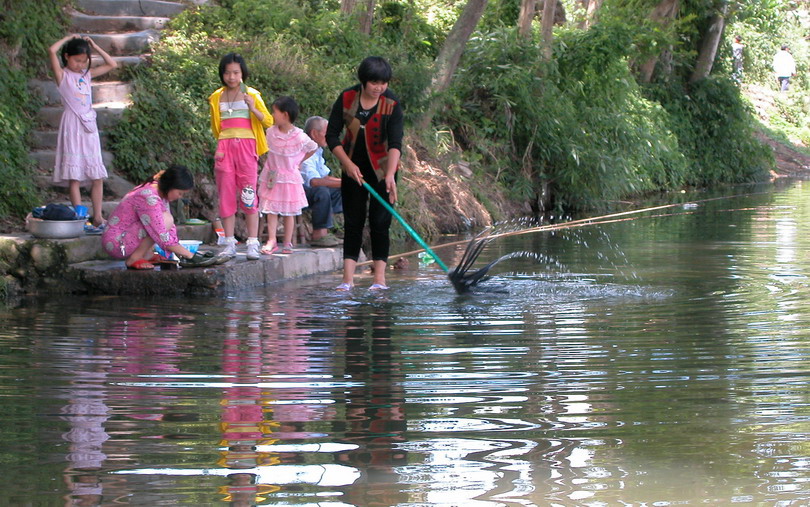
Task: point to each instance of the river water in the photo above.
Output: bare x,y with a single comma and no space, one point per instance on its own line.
657,360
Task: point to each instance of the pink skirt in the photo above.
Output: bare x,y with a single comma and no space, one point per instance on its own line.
285,199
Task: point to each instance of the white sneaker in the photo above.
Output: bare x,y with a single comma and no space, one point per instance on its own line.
230,248
253,250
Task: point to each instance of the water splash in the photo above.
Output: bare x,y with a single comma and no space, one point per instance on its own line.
464,278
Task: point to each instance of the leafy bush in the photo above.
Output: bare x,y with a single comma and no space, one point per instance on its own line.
582,129
26,31
17,190
715,130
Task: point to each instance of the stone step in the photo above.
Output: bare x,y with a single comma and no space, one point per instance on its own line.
45,159
151,8
103,91
85,23
115,186
109,113
122,44
124,63
111,277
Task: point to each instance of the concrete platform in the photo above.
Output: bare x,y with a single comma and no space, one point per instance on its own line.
80,266
112,277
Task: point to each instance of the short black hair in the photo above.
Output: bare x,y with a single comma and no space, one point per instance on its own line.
233,58
374,68
287,105
75,47
176,177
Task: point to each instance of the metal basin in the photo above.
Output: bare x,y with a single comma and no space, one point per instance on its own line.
55,229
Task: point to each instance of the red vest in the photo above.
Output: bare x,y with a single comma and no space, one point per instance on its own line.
376,129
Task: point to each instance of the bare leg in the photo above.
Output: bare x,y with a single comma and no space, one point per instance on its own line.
252,223
349,266
228,225
379,272
144,249
75,193
289,228
272,225
96,199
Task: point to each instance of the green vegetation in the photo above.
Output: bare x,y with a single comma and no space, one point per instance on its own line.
584,128
24,38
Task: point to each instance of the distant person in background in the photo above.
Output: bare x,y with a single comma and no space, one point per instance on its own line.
322,189
784,66
737,48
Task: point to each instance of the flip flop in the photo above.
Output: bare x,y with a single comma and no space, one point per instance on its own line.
269,251
288,249
378,286
141,265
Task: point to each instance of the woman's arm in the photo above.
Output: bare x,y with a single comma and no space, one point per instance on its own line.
391,165
333,131
396,125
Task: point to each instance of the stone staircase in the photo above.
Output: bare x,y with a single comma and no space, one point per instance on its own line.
125,29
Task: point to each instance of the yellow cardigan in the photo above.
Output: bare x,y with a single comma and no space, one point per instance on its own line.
257,126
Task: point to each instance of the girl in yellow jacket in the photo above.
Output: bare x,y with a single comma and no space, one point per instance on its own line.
238,120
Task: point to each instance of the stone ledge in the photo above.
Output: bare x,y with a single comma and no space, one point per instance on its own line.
112,277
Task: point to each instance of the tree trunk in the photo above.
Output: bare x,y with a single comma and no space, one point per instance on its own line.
347,6
366,17
548,24
450,54
590,13
709,44
527,12
662,14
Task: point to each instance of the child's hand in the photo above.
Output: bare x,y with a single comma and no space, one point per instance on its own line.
251,102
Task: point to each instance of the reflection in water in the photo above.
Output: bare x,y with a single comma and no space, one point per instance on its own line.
656,361
375,407
246,413
86,412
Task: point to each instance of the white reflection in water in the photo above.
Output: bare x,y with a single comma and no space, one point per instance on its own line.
321,475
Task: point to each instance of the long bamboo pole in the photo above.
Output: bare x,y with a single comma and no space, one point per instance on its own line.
582,222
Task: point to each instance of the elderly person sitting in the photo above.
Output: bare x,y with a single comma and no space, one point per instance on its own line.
323,190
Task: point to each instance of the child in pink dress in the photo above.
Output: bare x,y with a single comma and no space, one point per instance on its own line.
78,148
281,186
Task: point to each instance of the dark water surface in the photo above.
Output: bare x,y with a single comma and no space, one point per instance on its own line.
659,360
